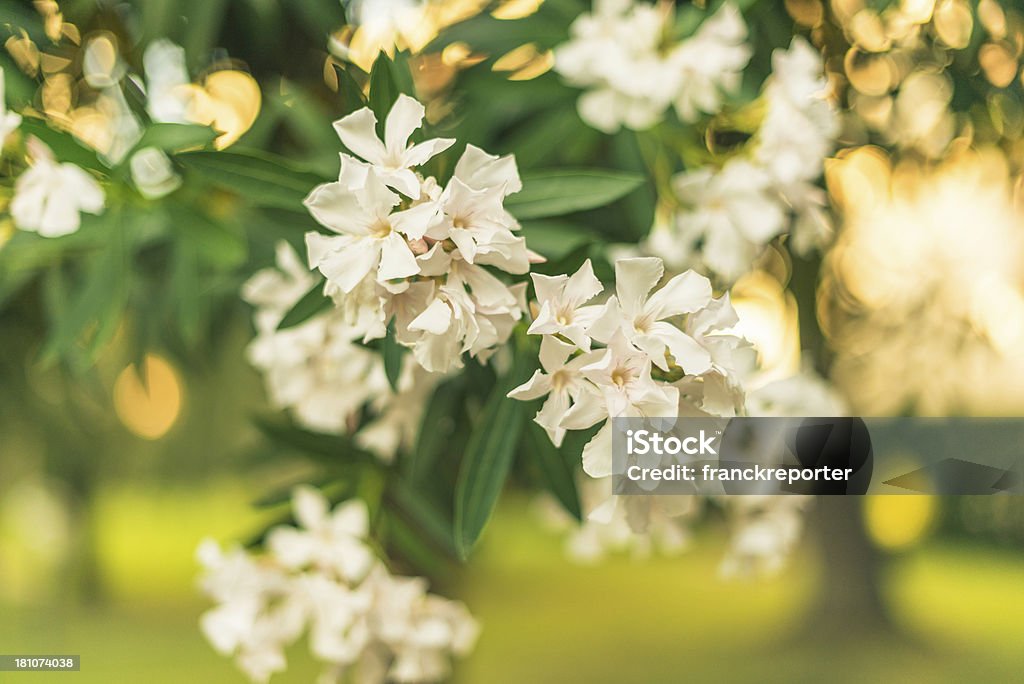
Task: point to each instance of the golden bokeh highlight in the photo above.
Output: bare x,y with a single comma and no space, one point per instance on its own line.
227,100
769,320
150,405
898,521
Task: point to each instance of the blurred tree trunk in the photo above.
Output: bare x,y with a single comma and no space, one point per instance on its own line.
850,600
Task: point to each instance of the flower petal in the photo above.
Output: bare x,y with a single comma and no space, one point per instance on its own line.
685,293
396,259
634,278
358,132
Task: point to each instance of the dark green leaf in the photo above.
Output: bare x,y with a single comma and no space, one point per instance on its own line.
434,524
335,450
486,463
312,303
554,466
554,239
263,180
436,428
393,353
558,192
349,91
383,90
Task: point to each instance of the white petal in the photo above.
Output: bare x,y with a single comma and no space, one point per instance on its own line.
310,507
537,386
582,286
634,278
685,293
396,259
597,454
337,207
435,319
553,353
405,116
358,132
588,410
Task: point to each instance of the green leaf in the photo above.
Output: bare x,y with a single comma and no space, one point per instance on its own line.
436,427
393,353
173,138
428,518
262,179
383,90
558,192
65,146
334,450
97,306
214,242
554,239
486,463
312,303
349,91
558,475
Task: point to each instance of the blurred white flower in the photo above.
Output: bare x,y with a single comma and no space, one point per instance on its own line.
765,531
710,63
333,542
314,369
323,580
49,196
632,73
153,173
167,81
732,214
9,121
392,159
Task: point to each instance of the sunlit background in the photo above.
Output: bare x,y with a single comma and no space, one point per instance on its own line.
109,480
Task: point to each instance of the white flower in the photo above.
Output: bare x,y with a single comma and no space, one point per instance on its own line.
800,124
710,63
734,212
331,541
314,369
560,379
153,173
766,528
367,623
614,54
49,196
9,121
359,207
619,53
624,388
561,300
642,317
392,159
167,81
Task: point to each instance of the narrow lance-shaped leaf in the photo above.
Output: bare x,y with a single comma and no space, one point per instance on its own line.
554,193
488,458
383,91
435,430
393,353
261,179
555,469
311,304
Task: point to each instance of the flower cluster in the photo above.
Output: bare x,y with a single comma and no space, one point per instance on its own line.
321,578
664,353
49,197
633,72
409,250
728,215
319,371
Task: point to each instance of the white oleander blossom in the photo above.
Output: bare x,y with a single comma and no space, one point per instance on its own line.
324,580
315,369
410,251
9,121
726,216
632,72
49,197
667,351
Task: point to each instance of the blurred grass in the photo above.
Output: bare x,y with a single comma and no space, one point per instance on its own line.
544,619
